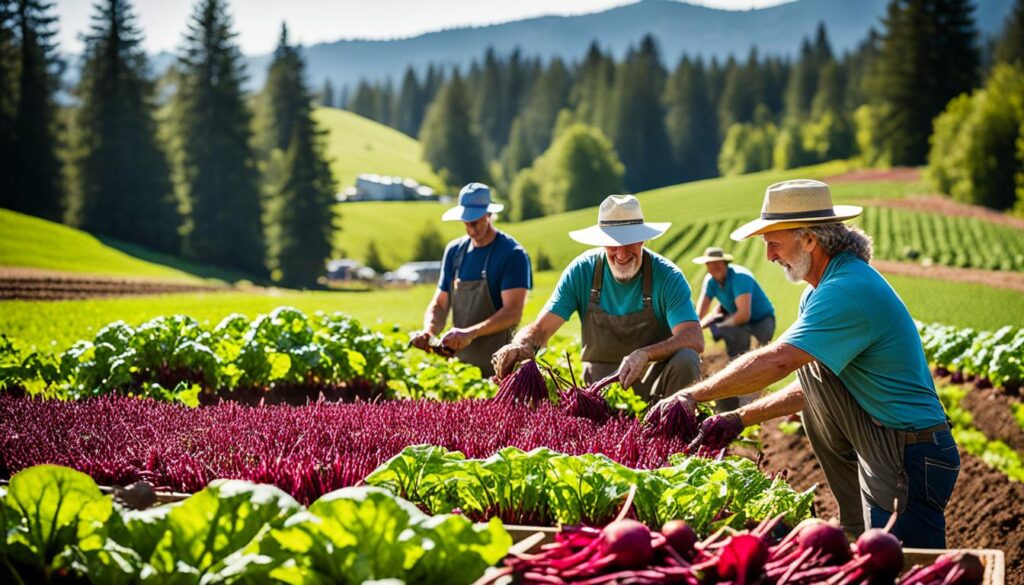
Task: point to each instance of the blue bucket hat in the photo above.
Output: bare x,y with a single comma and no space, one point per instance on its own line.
474,203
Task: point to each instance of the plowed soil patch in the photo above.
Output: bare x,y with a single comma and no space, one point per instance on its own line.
986,510
906,174
35,284
993,278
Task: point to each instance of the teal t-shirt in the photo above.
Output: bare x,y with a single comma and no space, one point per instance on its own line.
739,281
856,325
670,293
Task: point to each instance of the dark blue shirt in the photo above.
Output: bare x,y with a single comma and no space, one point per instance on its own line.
508,266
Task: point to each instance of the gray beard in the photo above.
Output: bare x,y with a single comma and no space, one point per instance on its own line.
624,275
798,271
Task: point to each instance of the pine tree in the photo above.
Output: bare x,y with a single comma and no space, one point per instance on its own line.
364,102
929,55
639,121
450,142
8,97
33,171
591,94
1010,46
547,97
301,208
282,103
691,122
327,94
409,115
221,181
122,172
488,105
385,103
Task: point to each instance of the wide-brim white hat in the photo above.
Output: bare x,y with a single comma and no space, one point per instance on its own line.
713,254
793,204
620,222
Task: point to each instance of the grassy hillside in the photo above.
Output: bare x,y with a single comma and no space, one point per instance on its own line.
393,226
357,145
27,241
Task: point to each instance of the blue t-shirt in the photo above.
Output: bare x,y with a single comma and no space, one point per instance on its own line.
507,268
669,291
856,325
739,281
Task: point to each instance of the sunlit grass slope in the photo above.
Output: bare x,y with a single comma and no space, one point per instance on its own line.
357,145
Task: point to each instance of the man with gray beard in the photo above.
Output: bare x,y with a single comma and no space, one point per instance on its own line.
867,399
634,305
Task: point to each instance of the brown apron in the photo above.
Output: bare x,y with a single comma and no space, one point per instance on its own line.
609,338
471,303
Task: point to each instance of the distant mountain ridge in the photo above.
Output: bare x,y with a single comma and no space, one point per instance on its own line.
680,28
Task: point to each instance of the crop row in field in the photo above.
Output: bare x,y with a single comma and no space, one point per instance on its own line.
993,356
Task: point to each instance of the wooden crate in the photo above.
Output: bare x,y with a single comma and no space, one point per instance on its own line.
528,537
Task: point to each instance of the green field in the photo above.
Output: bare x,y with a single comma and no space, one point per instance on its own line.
27,241
357,145
394,227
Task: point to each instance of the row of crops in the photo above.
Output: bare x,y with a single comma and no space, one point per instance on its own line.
995,358
898,234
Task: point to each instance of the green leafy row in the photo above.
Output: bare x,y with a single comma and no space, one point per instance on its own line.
547,488
995,454
176,357
58,524
997,356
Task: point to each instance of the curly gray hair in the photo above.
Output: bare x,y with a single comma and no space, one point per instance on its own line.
839,237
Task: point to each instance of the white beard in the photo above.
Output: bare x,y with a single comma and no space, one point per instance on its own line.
797,272
624,273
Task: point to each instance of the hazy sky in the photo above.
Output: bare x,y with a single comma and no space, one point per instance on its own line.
257,22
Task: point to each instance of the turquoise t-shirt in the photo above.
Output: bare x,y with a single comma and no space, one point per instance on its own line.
857,326
670,293
739,281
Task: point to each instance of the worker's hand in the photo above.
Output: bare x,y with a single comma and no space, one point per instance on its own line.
718,431
665,405
420,339
506,358
457,338
633,367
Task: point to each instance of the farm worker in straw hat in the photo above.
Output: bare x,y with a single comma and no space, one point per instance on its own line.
634,305
484,279
743,310
868,402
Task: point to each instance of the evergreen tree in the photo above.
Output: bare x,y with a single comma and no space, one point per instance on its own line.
221,181
591,94
327,94
301,208
450,142
282,103
409,111
517,154
1010,46
373,259
8,98
549,94
122,172
488,105
691,123
33,173
385,103
639,120
364,102
929,55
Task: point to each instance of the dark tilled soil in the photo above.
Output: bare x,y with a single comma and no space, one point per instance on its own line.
41,285
986,510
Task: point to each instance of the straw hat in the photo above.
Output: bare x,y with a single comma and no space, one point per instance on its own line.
793,204
713,254
619,223
474,203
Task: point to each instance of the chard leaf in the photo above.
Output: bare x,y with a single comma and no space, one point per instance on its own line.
204,531
51,508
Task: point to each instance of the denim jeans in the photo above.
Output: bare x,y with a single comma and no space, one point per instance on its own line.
932,469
